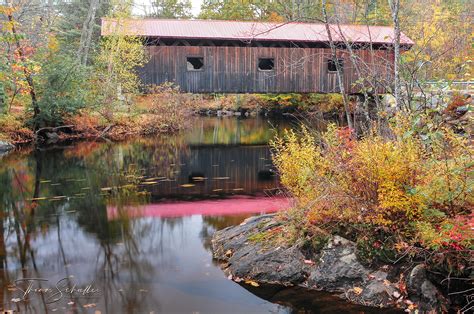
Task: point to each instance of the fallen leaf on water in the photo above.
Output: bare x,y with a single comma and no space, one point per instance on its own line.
237,279
187,185
309,262
89,305
357,290
198,178
154,179
229,277
252,283
70,303
149,183
37,199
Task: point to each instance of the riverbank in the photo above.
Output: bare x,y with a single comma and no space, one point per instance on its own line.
384,219
247,254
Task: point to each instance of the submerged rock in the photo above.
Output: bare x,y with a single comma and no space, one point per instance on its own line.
245,256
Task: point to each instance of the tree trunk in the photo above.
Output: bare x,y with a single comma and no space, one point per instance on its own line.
395,8
338,66
86,35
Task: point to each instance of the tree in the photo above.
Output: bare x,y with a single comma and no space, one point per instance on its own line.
78,28
86,34
171,9
228,10
20,54
336,62
395,9
118,60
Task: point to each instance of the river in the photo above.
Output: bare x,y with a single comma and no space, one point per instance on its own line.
102,227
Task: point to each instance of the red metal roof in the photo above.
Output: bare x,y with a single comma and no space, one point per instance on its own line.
262,31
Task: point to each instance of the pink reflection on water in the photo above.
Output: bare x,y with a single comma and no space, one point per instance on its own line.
221,207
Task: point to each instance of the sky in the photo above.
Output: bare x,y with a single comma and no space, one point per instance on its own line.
141,6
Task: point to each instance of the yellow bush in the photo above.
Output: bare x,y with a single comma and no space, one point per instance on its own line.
396,182
295,156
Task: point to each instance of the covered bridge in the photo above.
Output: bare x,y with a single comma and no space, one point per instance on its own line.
206,56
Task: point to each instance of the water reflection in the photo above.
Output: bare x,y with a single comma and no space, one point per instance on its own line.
123,219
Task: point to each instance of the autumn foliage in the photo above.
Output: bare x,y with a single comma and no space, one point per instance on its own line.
416,186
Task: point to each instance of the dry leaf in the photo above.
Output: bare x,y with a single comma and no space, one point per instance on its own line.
357,290
252,283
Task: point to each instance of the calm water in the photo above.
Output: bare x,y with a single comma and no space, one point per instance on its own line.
101,227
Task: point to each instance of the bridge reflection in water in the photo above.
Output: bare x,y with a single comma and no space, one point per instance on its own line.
220,157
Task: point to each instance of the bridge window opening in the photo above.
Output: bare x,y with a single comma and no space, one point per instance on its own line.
266,64
332,67
195,63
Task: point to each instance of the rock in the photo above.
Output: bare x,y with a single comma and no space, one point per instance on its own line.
416,278
5,147
251,260
378,293
423,292
338,267
335,268
52,137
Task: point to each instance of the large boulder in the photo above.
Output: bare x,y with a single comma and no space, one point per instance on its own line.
247,253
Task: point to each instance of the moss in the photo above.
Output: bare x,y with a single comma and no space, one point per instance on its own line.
258,237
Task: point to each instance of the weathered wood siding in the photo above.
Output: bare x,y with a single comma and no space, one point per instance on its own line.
235,69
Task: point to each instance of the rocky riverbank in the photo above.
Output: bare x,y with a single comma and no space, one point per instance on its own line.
335,268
